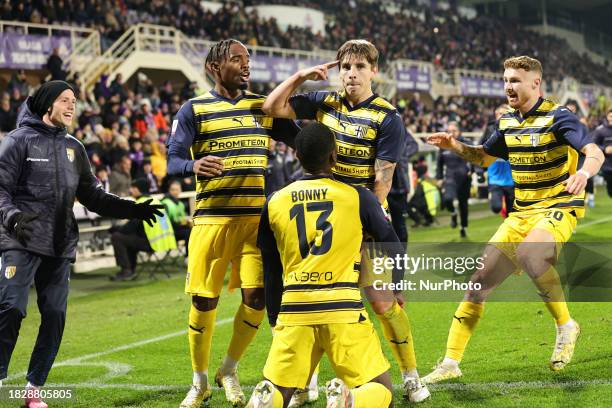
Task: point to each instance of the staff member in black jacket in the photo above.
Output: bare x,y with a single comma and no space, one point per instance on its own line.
456,174
400,187
602,136
42,170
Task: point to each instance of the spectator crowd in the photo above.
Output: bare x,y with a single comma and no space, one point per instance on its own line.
443,37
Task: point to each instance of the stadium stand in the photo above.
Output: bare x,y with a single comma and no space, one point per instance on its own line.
445,37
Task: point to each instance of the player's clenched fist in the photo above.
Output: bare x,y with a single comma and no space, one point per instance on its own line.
208,166
319,72
442,140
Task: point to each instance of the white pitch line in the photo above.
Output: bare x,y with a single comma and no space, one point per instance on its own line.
520,384
121,348
434,387
599,221
138,344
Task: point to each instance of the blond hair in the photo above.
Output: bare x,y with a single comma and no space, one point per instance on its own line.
524,62
359,48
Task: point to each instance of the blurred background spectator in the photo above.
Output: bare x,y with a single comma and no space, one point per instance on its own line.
413,31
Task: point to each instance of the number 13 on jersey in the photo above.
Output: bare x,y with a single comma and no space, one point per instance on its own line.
299,212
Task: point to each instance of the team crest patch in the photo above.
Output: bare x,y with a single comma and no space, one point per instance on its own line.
70,154
535,139
10,271
361,131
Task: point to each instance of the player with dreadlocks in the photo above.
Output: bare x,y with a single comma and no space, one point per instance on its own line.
223,137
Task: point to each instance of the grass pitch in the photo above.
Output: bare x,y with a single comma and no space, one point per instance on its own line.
125,344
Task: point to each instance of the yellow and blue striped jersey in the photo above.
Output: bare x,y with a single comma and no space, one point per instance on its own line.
542,148
310,239
238,131
368,131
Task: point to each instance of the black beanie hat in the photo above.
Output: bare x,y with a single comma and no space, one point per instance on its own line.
43,98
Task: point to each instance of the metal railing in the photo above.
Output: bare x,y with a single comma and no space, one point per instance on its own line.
458,73
106,63
84,42
43,29
84,51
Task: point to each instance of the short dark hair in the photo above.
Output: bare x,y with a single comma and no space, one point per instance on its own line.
219,52
314,143
358,48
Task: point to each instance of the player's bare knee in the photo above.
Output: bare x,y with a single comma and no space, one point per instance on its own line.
535,259
204,304
254,298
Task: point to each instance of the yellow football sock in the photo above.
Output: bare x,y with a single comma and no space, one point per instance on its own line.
465,320
246,323
551,292
396,329
371,395
201,328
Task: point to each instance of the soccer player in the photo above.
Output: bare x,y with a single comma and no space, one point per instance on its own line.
222,137
541,140
307,237
370,135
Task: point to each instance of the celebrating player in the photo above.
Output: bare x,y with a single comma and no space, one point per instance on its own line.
307,239
541,140
42,170
227,134
369,134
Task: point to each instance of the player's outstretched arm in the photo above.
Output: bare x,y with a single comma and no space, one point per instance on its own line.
277,103
473,154
94,198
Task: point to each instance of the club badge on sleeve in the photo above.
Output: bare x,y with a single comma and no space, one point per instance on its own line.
70,154
10,271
